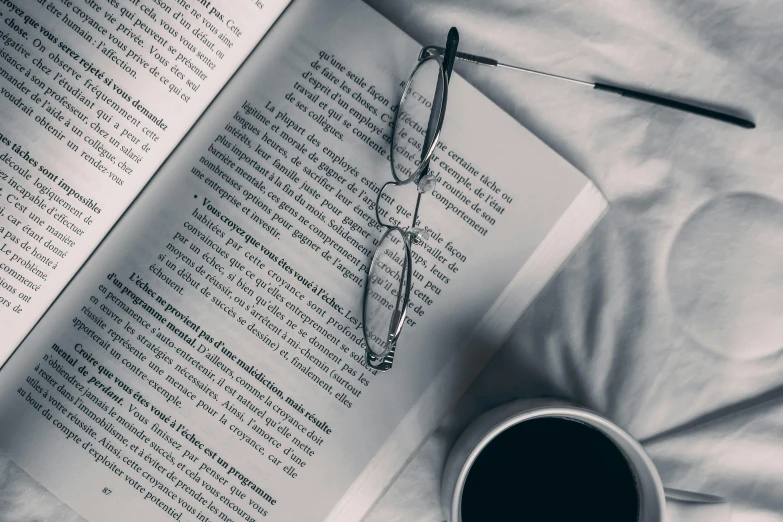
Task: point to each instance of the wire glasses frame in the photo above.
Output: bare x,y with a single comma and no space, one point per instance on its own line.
380,344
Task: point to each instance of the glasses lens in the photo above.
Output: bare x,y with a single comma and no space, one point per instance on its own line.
418,120
386,293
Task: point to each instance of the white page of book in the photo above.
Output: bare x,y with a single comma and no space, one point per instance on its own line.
95,95
209,355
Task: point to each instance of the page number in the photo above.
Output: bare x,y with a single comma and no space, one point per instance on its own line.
106,491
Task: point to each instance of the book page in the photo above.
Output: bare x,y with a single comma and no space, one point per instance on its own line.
95,95
208,362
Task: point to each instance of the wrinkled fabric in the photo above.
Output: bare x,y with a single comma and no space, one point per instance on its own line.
668,318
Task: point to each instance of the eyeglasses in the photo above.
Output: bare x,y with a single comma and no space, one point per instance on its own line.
416,129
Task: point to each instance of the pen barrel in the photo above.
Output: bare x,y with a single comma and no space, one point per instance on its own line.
481,60
674,104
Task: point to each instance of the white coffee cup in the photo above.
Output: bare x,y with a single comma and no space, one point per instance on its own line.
652,495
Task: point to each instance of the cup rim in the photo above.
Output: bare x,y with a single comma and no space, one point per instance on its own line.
577,413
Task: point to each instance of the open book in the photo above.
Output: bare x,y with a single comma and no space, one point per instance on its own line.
185,227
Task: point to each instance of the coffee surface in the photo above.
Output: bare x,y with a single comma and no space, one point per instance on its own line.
550,469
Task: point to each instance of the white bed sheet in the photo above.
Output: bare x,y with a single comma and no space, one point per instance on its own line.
669,318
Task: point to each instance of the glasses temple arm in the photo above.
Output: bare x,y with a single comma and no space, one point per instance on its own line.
416,210
481,60
448,54
622,91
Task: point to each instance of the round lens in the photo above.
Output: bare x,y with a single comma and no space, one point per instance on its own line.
386,293
419,119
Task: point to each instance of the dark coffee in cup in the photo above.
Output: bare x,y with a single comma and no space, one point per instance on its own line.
550,469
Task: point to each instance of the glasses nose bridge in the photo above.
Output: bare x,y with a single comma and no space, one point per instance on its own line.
424,182
378,204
